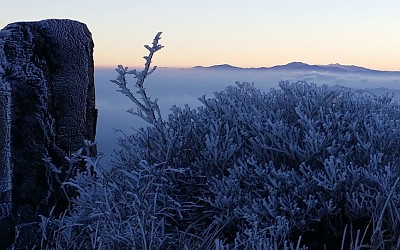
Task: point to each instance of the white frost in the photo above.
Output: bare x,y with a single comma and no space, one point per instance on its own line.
5,154
5,131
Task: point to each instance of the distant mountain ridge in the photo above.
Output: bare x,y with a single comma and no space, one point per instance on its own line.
300,66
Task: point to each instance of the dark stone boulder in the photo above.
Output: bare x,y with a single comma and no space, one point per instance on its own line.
47,110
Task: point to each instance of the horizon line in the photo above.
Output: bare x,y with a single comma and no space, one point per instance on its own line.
250,67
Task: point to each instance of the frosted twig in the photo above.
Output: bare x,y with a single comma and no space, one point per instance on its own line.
148,110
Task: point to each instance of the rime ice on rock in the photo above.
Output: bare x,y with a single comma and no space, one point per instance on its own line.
47,110
5,152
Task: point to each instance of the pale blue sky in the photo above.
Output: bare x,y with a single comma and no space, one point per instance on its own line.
242,33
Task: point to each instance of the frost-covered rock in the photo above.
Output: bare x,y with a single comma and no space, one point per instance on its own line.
47,110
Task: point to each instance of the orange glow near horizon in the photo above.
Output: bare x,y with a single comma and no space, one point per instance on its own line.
254,33
133,60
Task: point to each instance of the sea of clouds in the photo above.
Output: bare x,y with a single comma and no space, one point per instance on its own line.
184,86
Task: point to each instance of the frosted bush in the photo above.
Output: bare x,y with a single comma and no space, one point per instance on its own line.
304,160
298,167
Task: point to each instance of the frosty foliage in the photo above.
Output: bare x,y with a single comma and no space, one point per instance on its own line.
300,167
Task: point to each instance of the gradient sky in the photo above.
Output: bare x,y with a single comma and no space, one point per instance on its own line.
243,33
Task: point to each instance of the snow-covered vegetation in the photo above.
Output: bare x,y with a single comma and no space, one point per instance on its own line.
300,167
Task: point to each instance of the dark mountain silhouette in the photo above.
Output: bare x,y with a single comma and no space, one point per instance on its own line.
220,67
300,66
351,68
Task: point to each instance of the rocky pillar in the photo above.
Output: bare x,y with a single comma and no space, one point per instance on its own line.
47,110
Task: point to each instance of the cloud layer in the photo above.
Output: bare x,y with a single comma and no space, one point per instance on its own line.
184,86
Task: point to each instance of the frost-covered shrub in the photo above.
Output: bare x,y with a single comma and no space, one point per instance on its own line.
303,166
300,161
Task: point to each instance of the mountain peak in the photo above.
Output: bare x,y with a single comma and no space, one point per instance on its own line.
218,66
297,64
